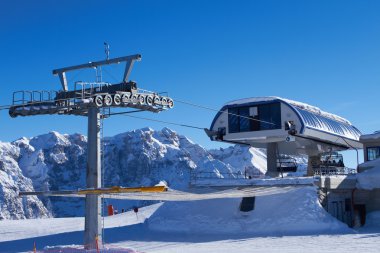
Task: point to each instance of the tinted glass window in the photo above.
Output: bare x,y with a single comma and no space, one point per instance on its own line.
373,153
244,119
233,120
255,118
270,116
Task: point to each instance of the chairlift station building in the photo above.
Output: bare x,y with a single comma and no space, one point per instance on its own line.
283,126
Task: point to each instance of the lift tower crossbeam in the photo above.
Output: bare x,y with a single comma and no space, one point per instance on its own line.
128,59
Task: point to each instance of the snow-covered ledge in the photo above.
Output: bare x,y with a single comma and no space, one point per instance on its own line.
369,178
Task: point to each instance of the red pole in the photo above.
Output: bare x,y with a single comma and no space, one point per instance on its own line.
110,210
97,245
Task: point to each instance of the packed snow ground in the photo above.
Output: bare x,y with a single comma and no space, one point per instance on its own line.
289,222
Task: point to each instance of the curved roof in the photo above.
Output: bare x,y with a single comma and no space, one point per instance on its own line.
312,117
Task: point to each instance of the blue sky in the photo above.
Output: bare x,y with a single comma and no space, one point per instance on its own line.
325,53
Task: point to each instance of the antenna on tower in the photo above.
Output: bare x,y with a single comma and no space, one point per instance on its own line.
107,50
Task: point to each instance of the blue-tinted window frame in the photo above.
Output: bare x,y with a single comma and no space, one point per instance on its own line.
233,111
378,151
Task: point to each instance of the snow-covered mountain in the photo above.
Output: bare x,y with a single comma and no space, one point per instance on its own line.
12,181
243,158
141,157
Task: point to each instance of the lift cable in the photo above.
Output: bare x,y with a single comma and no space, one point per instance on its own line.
111,75
156,120
348,144
75,76
357,152
213,109
200,128
216,110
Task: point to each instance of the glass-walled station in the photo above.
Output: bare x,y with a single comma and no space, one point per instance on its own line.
261,120
285,127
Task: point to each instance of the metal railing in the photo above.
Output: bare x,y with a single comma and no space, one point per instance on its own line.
27,98
85,90
206,175
333,170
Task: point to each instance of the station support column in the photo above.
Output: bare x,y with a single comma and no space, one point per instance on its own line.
93,229
272,160
313,161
